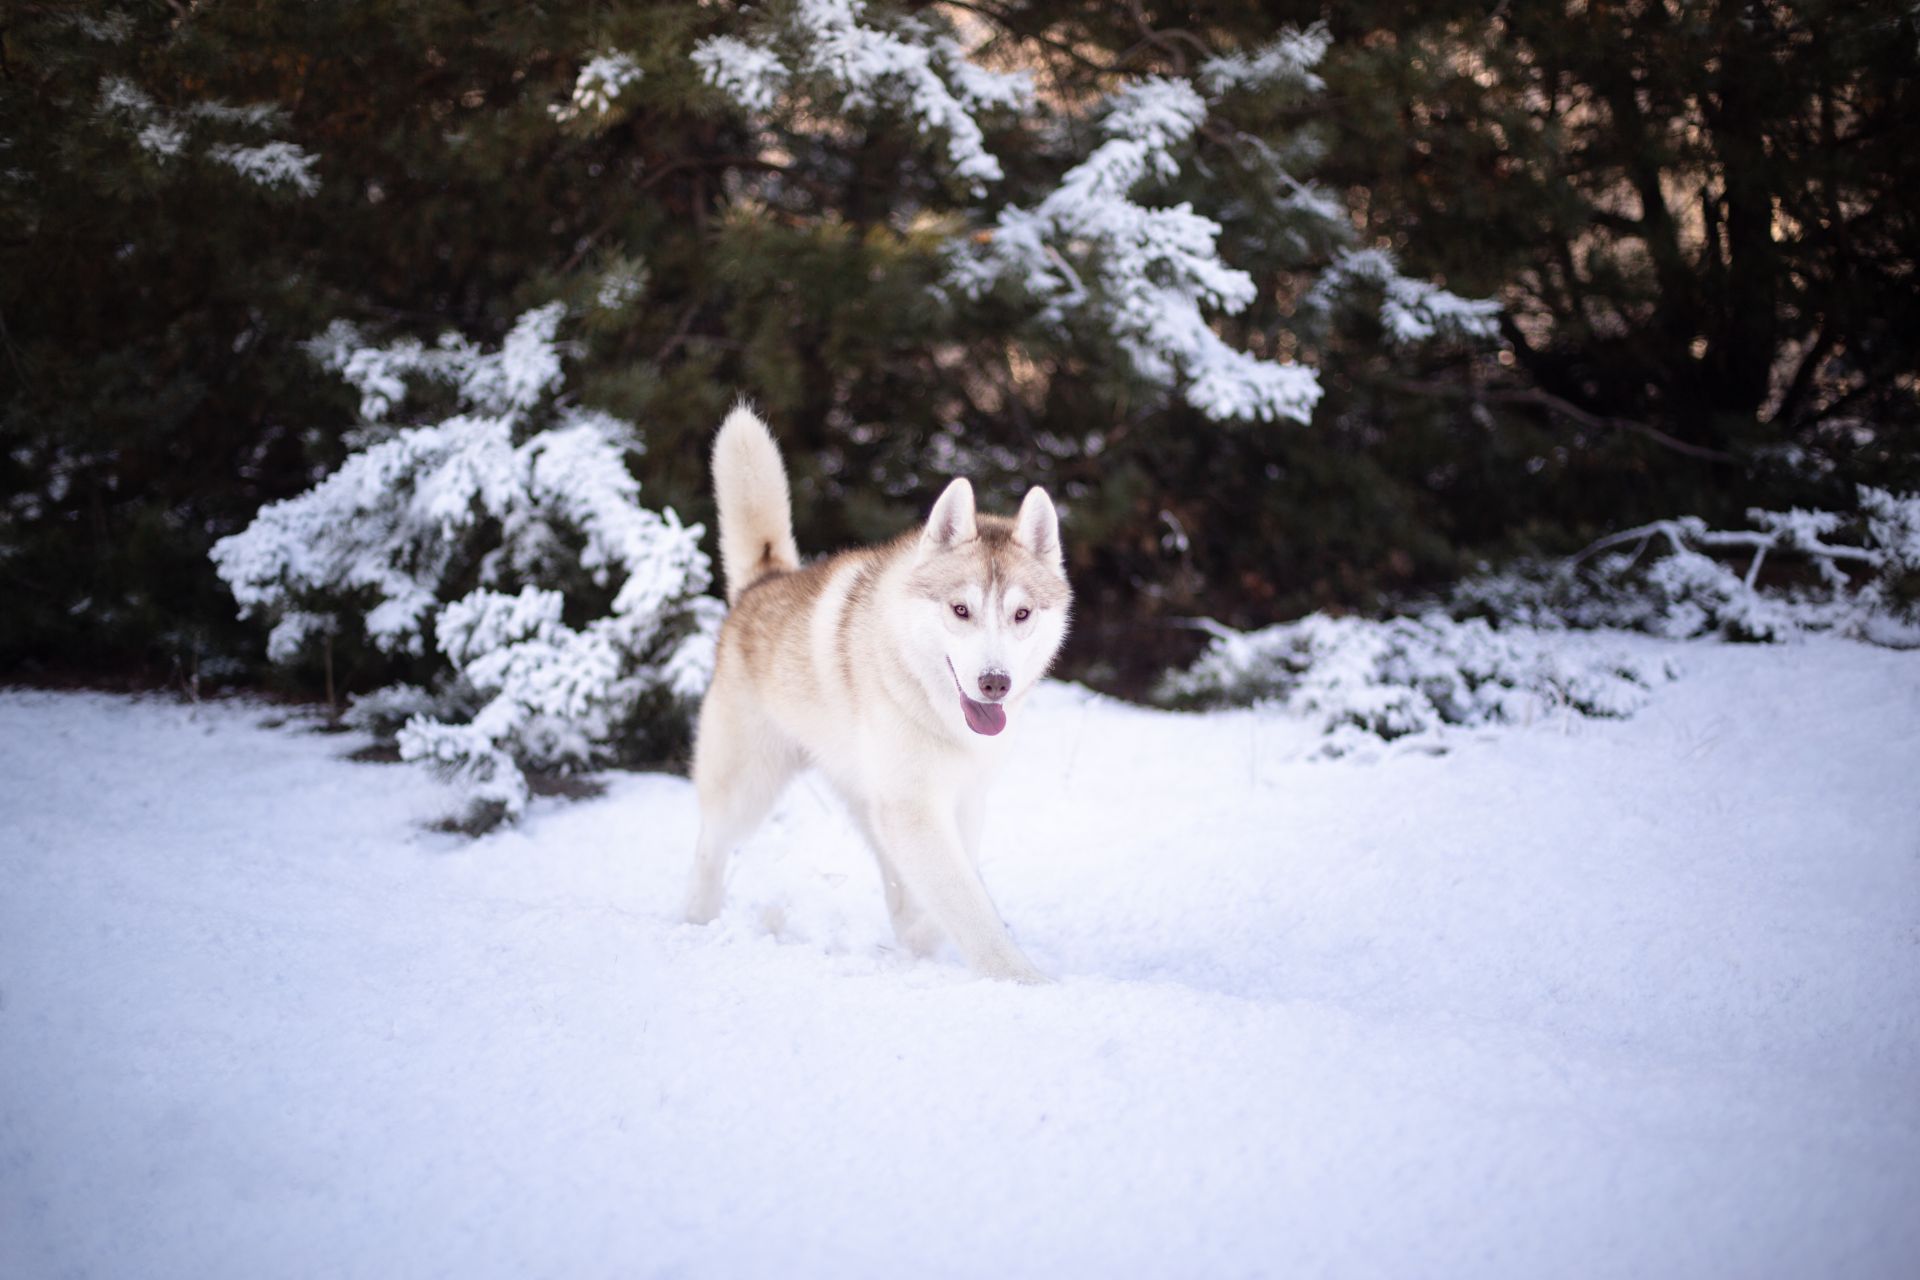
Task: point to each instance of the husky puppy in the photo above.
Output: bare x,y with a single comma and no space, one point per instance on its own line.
897,670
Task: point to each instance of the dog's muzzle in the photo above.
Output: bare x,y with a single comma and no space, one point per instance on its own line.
986,718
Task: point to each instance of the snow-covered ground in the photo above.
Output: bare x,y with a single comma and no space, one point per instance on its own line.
1582,999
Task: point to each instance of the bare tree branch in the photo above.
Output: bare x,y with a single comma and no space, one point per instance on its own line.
1554,404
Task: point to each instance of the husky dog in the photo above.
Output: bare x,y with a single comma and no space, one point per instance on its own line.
895,670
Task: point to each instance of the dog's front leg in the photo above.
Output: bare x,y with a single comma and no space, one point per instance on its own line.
971,813
924,846
913,928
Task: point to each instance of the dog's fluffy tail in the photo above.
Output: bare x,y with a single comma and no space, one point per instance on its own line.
756,514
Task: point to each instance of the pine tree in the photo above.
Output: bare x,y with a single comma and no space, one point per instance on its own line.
1118,249
1697,218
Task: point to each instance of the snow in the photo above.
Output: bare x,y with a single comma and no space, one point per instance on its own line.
1287,59
254,115
1411,310
121,97
1150,269
980,89
751,75
1412,680
271,164
162,139
859,68
163,134
1156,114
602,79
1587,998
112,28
1691,589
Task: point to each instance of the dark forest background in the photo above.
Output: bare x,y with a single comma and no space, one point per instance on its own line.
1701,219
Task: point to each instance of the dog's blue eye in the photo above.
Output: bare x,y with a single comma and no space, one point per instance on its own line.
1021,615
960,611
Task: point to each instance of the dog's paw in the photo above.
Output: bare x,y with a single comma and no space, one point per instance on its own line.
1018,970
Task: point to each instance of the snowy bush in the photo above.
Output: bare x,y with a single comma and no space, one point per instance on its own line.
480,533
1367,681
1679,578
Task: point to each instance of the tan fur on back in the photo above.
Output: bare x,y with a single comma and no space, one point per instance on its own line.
762,628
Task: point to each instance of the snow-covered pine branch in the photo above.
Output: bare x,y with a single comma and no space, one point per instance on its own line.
1680,578
1410,310
1091,254
1286,61
823,51
273,164
529,497
601,81
1092,258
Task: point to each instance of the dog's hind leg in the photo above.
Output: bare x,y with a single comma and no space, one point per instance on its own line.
925,846
740,766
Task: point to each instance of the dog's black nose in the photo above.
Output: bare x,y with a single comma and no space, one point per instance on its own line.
994,685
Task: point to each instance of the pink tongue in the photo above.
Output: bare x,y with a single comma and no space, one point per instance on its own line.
984,717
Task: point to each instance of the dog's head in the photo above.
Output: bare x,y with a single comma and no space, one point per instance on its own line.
990,601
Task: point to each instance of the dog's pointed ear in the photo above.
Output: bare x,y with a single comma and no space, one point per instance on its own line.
1037,528
951,521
